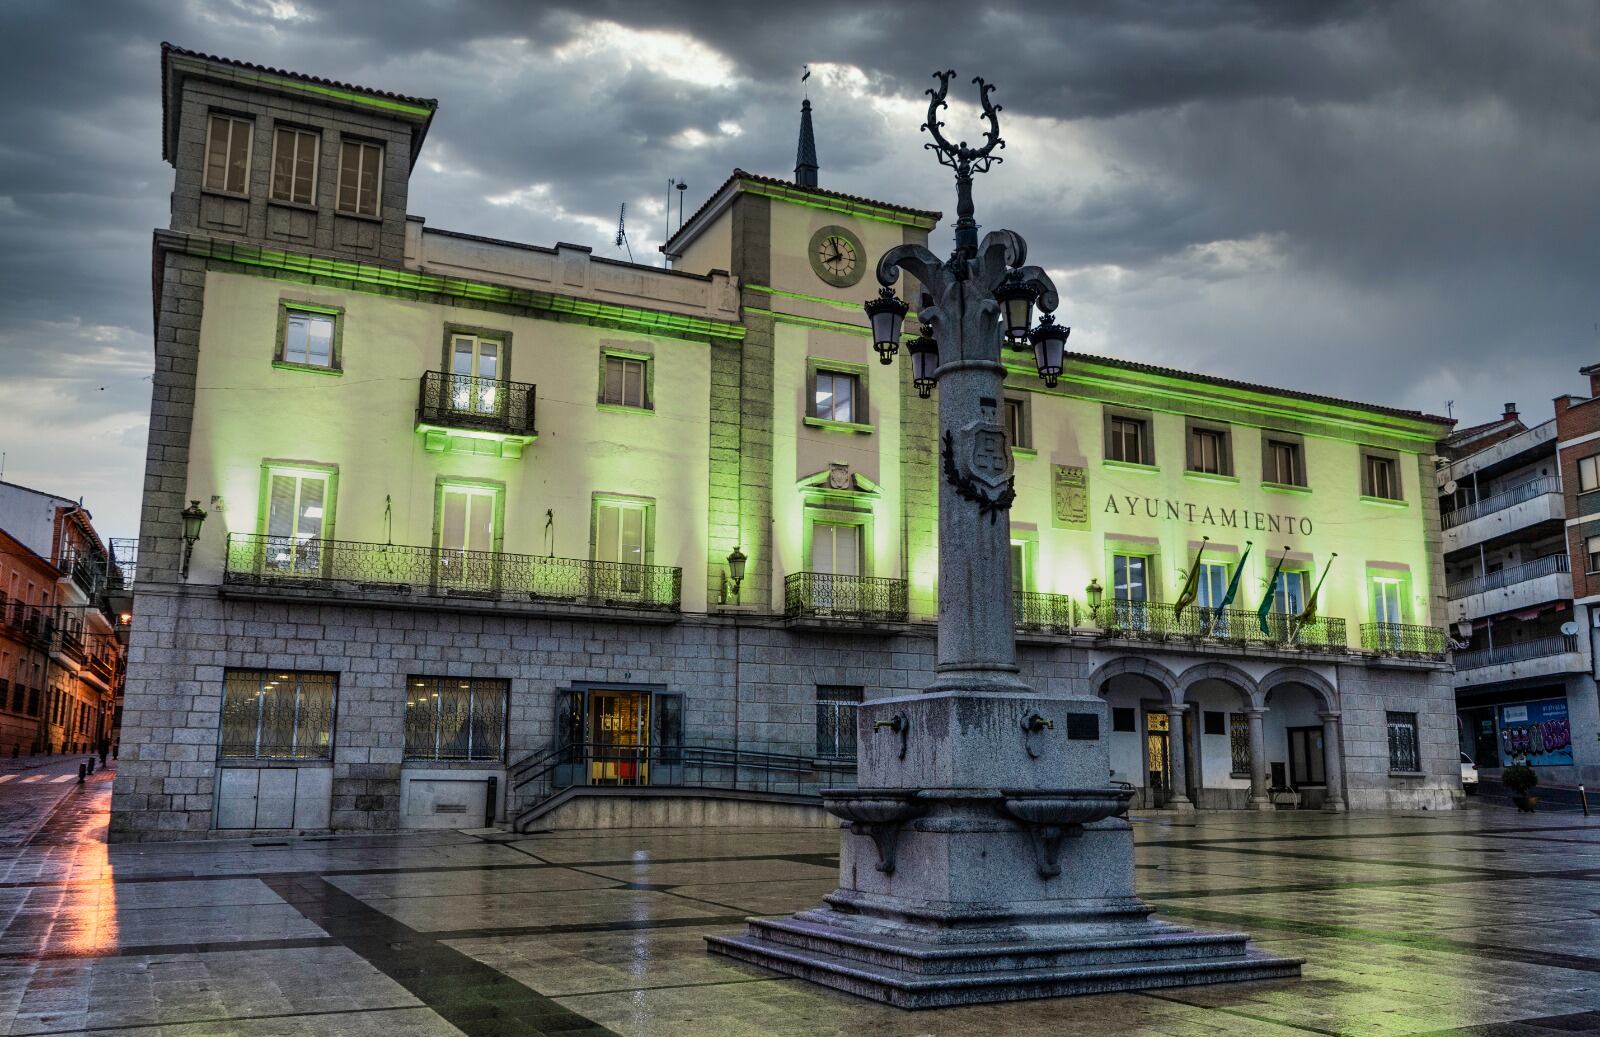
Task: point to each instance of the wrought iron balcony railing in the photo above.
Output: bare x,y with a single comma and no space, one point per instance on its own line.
1500,501
124,561
28,622
1516,652
479,404
270,561
1043,613
1539,567
1157,621
1404,639
827,596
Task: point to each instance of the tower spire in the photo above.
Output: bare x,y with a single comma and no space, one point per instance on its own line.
805,161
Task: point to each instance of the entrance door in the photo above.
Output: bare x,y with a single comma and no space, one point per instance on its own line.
1305,757
620,723
466,536
1158,752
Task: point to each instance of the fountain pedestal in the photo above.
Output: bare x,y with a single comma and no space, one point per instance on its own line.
986,859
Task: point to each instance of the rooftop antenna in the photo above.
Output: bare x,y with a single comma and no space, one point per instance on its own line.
682,187
1449,408
622,231
667,218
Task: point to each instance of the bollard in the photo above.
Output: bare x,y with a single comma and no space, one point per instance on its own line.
1583,797
489,802
82,772
90,765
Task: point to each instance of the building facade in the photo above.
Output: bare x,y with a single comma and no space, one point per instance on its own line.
62,651
477,509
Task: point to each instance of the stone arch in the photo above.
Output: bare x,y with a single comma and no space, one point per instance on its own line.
1150,670
1327,695
1224,672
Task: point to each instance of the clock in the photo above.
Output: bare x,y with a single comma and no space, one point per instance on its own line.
837,256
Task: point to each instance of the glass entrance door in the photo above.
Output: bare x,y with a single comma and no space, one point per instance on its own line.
474,375
619,722
1158,749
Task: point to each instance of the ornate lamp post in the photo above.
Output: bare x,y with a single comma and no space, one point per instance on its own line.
987,858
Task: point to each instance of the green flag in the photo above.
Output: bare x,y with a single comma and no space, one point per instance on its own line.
1191,586
1266,599
1309,613
1233,584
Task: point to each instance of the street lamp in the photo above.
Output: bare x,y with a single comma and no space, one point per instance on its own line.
1095,593
193,518
924,353
736,560
886,312
1049,346
1016,298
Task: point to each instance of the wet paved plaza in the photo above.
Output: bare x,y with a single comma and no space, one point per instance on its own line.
1478,922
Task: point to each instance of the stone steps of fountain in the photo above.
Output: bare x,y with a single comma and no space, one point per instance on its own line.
1161,966
920,958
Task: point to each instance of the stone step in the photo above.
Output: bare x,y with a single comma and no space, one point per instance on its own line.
907,990
917,958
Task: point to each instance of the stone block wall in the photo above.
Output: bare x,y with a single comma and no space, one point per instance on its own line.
1367,693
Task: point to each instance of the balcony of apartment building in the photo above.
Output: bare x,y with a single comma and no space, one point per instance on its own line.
28,623
1512,589
476,415
1549,655
1525,508
119,578
459,580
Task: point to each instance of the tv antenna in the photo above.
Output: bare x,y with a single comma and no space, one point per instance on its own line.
621,240
1449,408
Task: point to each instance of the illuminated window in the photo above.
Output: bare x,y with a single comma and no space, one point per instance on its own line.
1381,477
1127,439
626,382
623,530
1284,465
308,338
269,714
228,154
835,397
1289,593
1019,566
360,177
455,718
476,367
468,535
294,165
836,548
296,519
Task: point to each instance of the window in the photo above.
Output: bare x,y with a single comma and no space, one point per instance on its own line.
1213,585
1129,591
1591,547
294,165
835,398
622,534
1289,593
1388,612
1206,450
1214,722
360,177
1126,440
1014,417
836,548
1404,750
455,718
268,714
296,519
836,721
1124,718
625,383
1239,744
468,534
1589,473
1284,465
228,154
1381,477
475,371
308,338
1306,763
1019,566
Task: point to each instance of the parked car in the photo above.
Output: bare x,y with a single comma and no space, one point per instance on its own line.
1469,775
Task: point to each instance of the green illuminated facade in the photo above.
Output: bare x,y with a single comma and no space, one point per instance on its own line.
465,493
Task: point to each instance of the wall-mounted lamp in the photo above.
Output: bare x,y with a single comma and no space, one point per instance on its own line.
736,562
193,518
1094,593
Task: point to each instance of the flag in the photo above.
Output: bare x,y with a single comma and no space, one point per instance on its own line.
1233,584
1266,599
1191,586
1309,613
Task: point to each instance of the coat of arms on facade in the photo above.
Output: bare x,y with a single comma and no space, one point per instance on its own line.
1069,490
977,462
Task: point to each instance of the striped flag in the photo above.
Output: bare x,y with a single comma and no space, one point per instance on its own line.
1191,586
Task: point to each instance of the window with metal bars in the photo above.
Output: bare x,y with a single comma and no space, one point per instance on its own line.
455,718
1404,750
271,714
836,721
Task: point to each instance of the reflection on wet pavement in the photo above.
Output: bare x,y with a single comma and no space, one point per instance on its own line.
1472,924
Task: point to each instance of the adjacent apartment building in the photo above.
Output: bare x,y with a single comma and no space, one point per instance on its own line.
461,509
61,644
1520,504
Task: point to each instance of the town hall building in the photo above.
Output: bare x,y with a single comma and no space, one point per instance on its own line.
441,530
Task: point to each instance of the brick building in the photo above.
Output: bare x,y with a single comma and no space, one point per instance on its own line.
479,509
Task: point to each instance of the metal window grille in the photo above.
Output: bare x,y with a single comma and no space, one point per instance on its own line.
1239,742
836,721
1404,752
454,718
269,714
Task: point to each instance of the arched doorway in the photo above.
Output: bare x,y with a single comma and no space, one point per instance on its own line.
1219,698
1147,731
1301,738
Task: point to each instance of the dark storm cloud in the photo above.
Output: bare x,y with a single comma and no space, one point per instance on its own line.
1392,202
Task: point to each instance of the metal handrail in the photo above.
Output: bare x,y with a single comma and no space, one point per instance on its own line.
830,596
358,567
1159,621
1404,639
1539,567
465,401
1517,651
1501,501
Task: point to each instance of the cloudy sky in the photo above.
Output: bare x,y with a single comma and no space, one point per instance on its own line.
1392,202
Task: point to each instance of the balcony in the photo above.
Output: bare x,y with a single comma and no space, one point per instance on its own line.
1519,587
854,599
1153,621
493,581
33,625
1540,657
470,415
1037,613
1404,640
119,580
1533,503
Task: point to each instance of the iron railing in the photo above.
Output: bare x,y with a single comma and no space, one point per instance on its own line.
557,768
483,404
1404,639
1516,652
28,622
1539,567
1044,613
271,561
827,596
1156,621
1501,501
124,561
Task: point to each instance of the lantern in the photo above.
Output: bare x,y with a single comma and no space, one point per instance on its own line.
886,313
1016,298
924,353
1049,346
